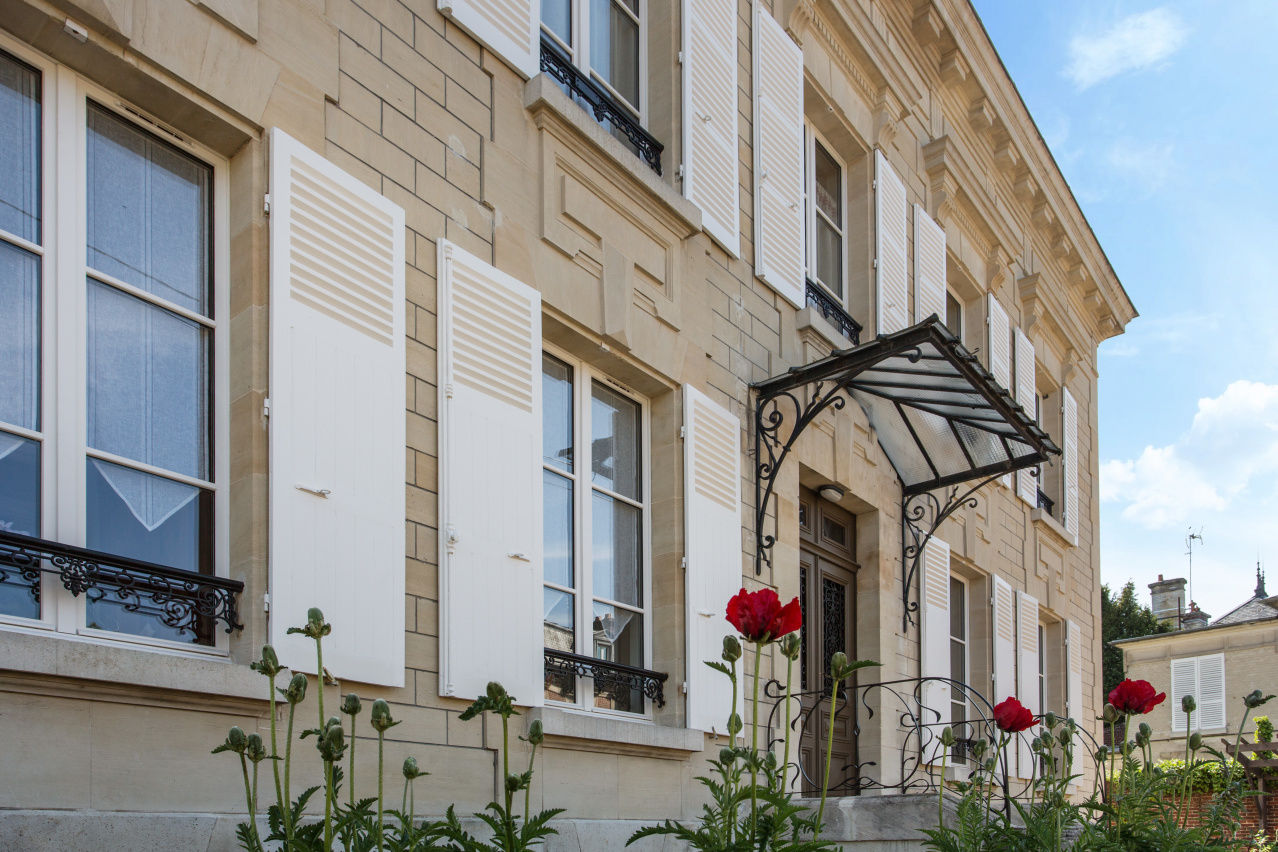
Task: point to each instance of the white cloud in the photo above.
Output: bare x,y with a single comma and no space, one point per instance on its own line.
1131,44
1147,165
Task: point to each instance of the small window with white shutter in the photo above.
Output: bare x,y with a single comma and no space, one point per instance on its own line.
596,595
825,194
1203,678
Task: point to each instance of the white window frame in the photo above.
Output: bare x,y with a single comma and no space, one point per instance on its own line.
64,99
811,138
584,375
579,53
966,641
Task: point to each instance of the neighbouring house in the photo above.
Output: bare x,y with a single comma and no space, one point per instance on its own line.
423,313
1216,661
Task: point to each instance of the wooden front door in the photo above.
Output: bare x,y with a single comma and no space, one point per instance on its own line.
827,592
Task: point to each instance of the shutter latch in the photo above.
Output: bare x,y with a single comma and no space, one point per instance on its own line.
266,204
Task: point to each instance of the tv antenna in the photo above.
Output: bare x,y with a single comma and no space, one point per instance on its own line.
1189,543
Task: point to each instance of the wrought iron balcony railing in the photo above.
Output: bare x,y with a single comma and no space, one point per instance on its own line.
818,297
1045,502
601,103
608,676
183,600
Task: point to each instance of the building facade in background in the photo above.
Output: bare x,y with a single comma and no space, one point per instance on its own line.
445,318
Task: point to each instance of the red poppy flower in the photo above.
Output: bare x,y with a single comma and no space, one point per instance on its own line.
1135,697
761,618
1012,716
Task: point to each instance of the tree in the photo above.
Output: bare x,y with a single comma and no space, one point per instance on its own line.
1123,617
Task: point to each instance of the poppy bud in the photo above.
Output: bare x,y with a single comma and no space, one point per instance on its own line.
1102,754
295,693
1188,704
727,756
513,783
790,646
269,665
236,741
254,749
1064,736
838,665
380,718
536,732
1145,730
1195,741
978,748
332,743
411,769
734,724
1050,719
1255,698
731,649
495,691
947,736
1110,714
351,704
1141,739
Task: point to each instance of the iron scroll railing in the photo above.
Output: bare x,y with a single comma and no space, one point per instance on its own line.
609,677
903,717
821,300
183,600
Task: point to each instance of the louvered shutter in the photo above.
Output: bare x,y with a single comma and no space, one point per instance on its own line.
1026,389
337,417
1184,681
710,175
1004,605
712,538
1027,671
1069,426
778,159
490,497
890,215
929,266
509,28
1211,692
934,632
1074,653
999,342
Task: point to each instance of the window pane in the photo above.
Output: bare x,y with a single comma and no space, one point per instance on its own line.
148,216
954,315
618,637
829,257
556,15
958,661
148,383
19,149
614,445
829,185
557,545
958,609
615,541
140,516
556,406
19,337
614,47
558,620
19,513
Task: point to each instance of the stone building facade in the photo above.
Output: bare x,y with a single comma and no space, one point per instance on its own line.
277,203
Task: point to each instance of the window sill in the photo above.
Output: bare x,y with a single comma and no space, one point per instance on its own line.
1040,517
546,101
586,731
123,668
811,320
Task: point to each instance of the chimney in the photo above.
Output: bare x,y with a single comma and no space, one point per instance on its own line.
1167,599
1195,619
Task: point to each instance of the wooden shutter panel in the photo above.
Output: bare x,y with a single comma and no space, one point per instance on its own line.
999,344
1026,390
337,416
929,266
1184,681
1211,692
712,539
890,215
710,174
509,28
490,525
1074,676
934,631
778,159
1004,640
1069,426
1027,671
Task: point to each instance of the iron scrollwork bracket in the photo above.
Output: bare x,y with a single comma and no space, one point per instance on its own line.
607,674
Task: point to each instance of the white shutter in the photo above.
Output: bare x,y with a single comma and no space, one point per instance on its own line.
509,28
929,266
890,215
712,538
1027,671
337,417
999,342
778,158
1074,676
1026,389
490,499
1211,692
934,633
1184,681
1069,426
710,174
1004,605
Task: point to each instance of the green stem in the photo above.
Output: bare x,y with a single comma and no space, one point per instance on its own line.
1184,781
785,763
319,654
288,766
754,745
248,799
829,751
940,790
729,777
528,789
328,805
505,774
275,764
381,753
350,772
253,809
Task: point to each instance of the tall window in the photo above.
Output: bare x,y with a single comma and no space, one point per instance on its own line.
826,237
595,516
107,355
958,664
954,314
603,39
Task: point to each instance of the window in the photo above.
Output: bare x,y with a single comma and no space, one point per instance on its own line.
824,190
1204,678
596,529
109,301
1042,668
959,664
604,39
954,314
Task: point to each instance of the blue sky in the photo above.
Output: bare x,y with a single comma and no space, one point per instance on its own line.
1164,119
